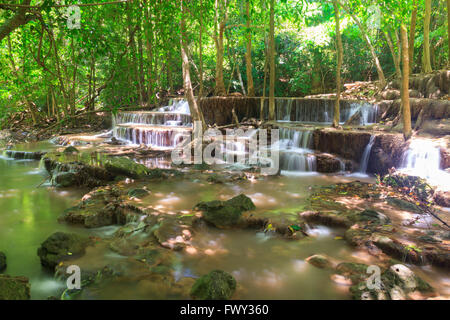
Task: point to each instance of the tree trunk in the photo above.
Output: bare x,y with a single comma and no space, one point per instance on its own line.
20,18
248,53
187,84
398,70
426,58
380,72
412,37
200,53
272,62
448,31
407,131
219,29
148,26
340,52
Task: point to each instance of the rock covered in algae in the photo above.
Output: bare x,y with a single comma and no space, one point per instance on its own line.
125,166
320,261
138,193
14,288
216,285
2,262
62,246
224,214
396,283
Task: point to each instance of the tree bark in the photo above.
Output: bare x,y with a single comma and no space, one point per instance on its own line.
340,52
272,62
194,109
200,53
248,53
412,36
448,31
20,18
426,58
406,110
219,29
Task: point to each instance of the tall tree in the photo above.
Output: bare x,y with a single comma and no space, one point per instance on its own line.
340,52
248,52
412,36
406,109
220,20
448,30
426,58
272,61
194,109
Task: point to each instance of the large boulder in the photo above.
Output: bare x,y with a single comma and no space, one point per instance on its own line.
14,288
326,163
2,262
223,214
62,246
125,166
216,285
320,261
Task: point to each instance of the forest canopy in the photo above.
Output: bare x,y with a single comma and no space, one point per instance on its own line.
56,59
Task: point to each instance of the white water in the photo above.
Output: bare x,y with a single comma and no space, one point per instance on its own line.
366,155
423,159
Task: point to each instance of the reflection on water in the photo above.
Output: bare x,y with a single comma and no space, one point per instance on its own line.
27,217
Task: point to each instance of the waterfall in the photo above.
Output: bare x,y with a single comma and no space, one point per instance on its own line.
164,128
366,155
322,110
295,150
423,159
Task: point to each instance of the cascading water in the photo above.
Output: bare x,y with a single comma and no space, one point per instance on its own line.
366,155
322,110
295,150
423,159
163,129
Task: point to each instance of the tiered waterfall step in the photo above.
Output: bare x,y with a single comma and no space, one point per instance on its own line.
153,118
152,135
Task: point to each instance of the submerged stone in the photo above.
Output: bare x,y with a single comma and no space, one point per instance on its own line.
2,262
228,213
216,285
373,217
64,179
320,261
403,205
14,288
138,193
62,246
70,149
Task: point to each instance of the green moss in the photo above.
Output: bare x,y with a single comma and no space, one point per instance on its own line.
217,285
14,288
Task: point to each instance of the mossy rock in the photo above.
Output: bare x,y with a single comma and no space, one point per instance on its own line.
355,271
71,149
2,262
14,288
138,193
62,246
216,285
372,216
125,166
320,261
225,214
403,205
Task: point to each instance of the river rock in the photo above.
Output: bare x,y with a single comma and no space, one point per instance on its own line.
224,214
403,204
217,285
101,207
14,288
125,166
442,198
397,283
320,261
64,179
2,262
70,149
138,193
373,216
62,246
326,163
